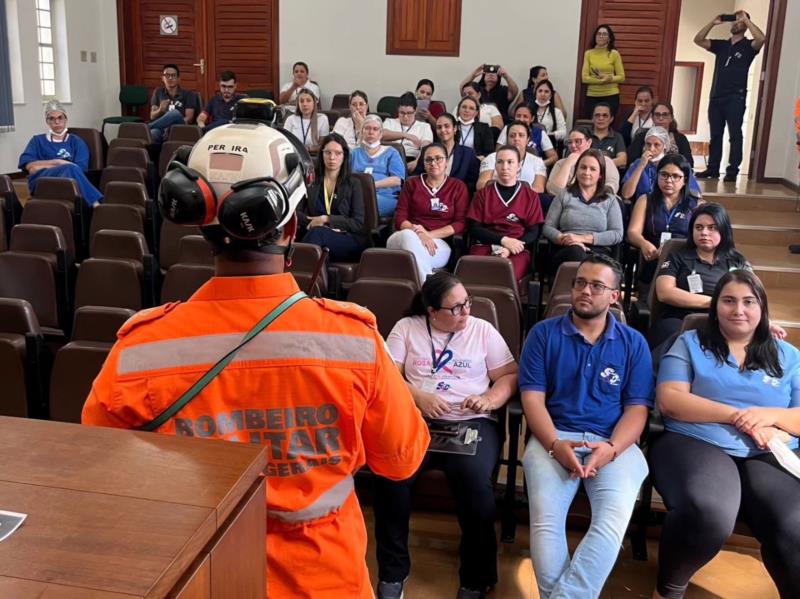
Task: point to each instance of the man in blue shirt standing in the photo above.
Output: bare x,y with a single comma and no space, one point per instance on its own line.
219,110
57,153
587,386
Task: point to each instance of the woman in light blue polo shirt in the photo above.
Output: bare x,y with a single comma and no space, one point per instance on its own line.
382,162
725,390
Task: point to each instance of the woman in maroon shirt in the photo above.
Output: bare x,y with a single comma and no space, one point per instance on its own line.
431,208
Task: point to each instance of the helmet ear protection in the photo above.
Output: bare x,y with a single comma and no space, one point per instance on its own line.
250,211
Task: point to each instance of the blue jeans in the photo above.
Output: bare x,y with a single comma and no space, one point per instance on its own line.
729,111
164,122
612,495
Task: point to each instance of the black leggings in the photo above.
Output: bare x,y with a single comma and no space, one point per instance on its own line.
470,481
705,490
592,101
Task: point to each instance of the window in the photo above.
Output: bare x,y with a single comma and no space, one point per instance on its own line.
423,27
47,66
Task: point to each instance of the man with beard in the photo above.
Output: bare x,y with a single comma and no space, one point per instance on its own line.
219,109
587,385
729,88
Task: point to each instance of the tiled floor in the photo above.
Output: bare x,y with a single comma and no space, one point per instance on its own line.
736,573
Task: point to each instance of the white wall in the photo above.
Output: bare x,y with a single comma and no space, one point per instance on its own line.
344,43
91,26
781,156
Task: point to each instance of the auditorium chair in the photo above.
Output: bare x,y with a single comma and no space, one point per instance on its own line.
10,206
168,149
186,134
304,262
194,249
22,360
117,217
332,116
340,102
342,274
128,246
169,242
124,173
31,277
388,105
383,263
93,287
182,280
98,148
46,212
642,318
66,191
388,299
131,97
139,131
127,142
78,362
128,193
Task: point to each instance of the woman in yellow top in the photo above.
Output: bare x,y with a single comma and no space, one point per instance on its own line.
602,71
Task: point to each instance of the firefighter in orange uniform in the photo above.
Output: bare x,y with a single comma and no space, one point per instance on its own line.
316,385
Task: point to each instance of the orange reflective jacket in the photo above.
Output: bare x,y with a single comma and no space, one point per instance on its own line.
317,388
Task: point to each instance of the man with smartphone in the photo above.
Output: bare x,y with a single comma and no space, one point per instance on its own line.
729,88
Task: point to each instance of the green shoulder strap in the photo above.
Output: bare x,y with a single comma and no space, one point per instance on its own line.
204,380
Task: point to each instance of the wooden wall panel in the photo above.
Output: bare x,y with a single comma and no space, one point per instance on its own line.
646,36
423,27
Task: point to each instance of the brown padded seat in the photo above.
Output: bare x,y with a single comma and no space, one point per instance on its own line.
694,321
561,287
194,249
116,217
388,299
98,146
182,280
508,312
485,309
99,323
57,188
388,264
168,149
123,245
31,277
122,173
44,240
75,367
134,131
304,262
126,193
93,286
55,213
17,319
656,306
487,270
122,142
169,244
134,157
184,133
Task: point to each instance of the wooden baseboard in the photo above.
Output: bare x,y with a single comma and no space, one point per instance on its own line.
785,182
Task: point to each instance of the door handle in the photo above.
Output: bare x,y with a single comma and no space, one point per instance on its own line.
202,65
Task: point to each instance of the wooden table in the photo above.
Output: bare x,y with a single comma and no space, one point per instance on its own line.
119,514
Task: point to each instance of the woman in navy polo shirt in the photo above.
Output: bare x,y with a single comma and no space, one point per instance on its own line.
725,390
662,214
688,276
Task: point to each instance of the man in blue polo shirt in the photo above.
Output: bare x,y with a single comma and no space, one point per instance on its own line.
587,386
219,110
171,104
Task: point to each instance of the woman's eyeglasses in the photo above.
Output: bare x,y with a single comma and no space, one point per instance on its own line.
434,159
662,115
458,309
674,177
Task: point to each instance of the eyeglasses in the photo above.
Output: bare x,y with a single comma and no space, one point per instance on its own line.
662,115
664,176
434,159
594,288
458,309
332,153
406,112
170,75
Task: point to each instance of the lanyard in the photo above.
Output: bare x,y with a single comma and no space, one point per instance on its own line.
303,129
464,138
641,123
669,217
435,362
672,213
328,198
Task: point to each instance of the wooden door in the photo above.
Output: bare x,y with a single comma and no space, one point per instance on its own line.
646,34
212,36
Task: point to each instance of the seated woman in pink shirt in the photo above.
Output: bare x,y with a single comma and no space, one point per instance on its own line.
459,371
431,208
